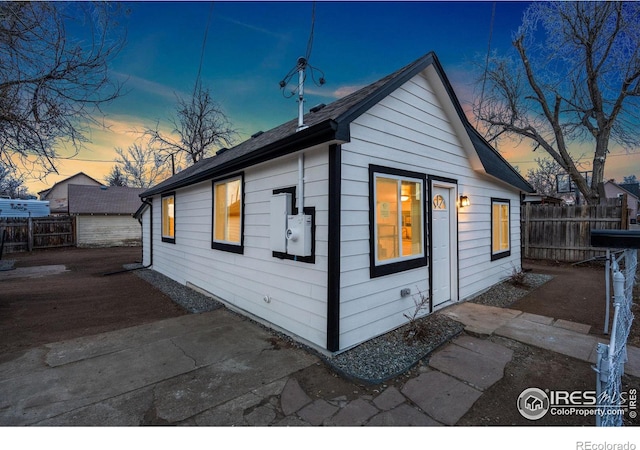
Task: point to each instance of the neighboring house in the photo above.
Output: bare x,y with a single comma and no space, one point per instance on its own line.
381,176
634,189
58,194
105,215
613,190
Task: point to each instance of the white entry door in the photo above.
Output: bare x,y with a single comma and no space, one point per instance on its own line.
443,244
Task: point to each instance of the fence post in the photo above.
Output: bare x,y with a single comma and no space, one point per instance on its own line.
602,374
624,213
74,229
527,231
30,235
3,236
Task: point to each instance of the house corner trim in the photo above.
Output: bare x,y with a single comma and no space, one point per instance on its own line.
333,269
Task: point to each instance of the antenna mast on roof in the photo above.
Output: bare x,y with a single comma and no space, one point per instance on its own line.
300,68
302,65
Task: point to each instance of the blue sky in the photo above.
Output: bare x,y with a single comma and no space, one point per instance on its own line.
251,46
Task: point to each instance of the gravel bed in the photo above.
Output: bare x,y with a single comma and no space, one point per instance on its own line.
378,359
189,299
390,355
506,293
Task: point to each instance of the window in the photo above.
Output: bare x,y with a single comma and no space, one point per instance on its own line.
227,214
439,203
169,218
500,232
397,220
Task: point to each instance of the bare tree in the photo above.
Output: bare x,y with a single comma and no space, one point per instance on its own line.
581,85
52,83
141,166
543,178
201,126
10,184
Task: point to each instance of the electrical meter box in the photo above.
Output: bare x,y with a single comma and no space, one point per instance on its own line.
299,235
280,210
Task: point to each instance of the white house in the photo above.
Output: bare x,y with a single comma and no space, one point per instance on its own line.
381,176
105,215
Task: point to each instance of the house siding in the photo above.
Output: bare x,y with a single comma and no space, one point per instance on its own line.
297,290
414,129
107,231
409,130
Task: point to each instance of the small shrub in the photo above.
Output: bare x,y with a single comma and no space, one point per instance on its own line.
518,278
416,330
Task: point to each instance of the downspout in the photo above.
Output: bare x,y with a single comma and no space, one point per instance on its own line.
116,272
150,205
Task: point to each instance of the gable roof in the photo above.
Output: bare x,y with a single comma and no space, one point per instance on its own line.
84,199
67,180
632,188
627,188
331,124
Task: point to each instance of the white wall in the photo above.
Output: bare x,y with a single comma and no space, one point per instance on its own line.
107,231
409,130
297,290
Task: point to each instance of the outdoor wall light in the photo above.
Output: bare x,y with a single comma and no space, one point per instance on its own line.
464,201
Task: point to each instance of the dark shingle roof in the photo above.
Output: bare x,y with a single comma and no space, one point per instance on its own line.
632,188
85,199
331,123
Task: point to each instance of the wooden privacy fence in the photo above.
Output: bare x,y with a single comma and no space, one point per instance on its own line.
562,232
36,233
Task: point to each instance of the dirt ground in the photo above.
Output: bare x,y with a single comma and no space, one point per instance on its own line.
79,302
83,301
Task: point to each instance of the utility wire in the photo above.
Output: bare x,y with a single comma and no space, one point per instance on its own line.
310,41
204,43
486,63
289,76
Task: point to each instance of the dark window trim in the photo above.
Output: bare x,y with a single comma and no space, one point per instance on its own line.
168,240
311,211
506,253
390,268
224,246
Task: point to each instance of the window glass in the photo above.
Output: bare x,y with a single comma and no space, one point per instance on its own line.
439,203
411,218
228,211
168,217
399,218
500,227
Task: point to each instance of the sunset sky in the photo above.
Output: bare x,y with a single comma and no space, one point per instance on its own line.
251,46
